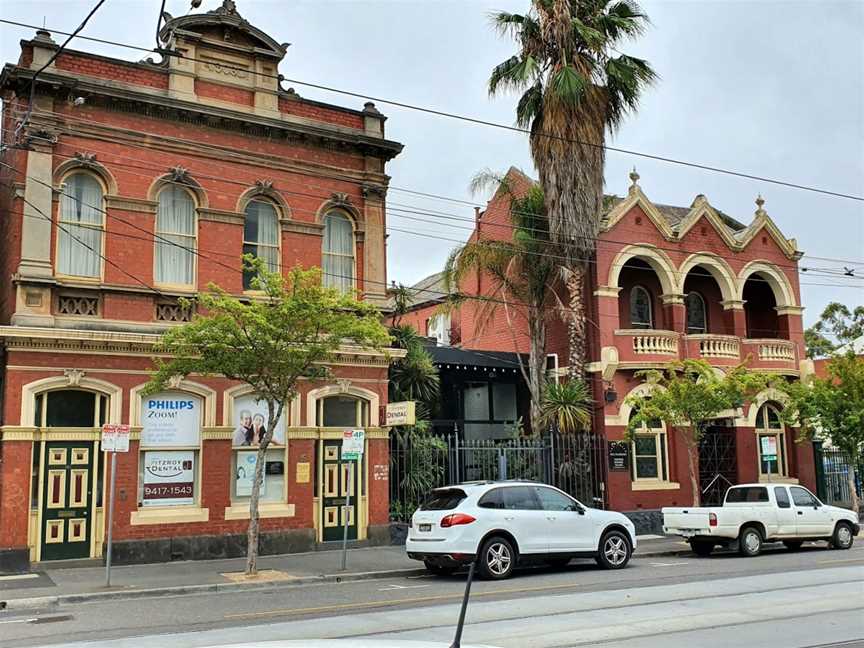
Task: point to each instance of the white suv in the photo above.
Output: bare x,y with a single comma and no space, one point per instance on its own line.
510,522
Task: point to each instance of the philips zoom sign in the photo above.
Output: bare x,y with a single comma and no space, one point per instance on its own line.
170,420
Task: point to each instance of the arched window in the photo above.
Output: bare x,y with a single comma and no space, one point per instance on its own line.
771,440
80,227
175,237
650,453
697,317
261,237
338,252
70,408
342,410
641,312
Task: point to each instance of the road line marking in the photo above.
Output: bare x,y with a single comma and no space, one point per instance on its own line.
383,603
395,587
19,621
18,577
675,564
845,560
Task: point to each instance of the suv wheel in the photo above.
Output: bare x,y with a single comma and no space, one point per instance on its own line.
497,558
750,542
842,538
615,550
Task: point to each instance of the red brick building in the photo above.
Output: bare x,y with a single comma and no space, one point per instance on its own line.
128,186
670,283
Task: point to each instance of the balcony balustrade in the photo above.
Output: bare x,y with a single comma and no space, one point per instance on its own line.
716,346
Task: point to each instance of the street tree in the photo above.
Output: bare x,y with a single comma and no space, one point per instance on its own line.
272,341
838,326
575,86
832,409
689,395
521,274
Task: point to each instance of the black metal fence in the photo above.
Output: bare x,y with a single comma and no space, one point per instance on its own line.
832,475
421,462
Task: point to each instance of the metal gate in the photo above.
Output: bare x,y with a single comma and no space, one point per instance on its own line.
832,476
718,464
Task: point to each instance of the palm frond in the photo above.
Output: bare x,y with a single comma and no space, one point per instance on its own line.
567,406
627,79
529,109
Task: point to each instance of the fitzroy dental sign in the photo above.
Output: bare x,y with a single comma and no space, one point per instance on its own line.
170,420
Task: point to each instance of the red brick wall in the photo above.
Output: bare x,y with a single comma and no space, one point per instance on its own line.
320,113
15,462
224,93
116,70
379,489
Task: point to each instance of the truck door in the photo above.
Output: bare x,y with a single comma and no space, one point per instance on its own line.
813,520
787,525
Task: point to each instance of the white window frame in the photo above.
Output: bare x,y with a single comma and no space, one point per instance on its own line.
362,412
764,430
661,444
162,236
641,325
327,279
64,225
277,247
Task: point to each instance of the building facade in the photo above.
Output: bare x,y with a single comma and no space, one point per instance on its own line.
671,283
126,187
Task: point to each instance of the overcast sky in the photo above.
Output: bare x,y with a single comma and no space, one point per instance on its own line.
774,89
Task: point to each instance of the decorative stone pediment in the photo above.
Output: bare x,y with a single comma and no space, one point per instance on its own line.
73,376
344,385
86,159
339,199
264,185
180,174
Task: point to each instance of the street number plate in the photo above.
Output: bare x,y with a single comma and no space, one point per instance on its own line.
426,527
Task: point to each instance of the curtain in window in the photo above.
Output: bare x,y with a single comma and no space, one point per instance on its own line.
338,252
80,231
696,316
261,237
175,222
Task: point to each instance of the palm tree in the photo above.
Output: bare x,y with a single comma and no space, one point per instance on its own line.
576,86
567,407
521,273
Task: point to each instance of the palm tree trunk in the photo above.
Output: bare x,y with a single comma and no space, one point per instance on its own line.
537,371
576,323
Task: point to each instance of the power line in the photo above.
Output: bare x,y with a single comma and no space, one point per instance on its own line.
394,211
497,125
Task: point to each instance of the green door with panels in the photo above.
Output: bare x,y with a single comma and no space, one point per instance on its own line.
337,477
67,513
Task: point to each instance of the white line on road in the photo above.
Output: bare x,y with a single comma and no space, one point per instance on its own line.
675,564
394,586
18,577
19,621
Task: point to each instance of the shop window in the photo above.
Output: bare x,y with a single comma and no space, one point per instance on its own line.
70,408
175,238
650,451
260,237
337,253
170,449
343,410
697,318
641,311
771,442
250,422
80,228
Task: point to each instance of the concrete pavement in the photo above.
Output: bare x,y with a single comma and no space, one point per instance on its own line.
53,583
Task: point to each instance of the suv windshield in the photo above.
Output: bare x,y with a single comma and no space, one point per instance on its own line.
443,500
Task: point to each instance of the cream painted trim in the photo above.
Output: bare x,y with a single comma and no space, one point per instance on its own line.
716,266
770,394
623,417
772,479
265,510
29,391
128,203
784,295
732,304
636,197
95,537
315,395
654,256
378,433
764,221
169,515
41,499
302,433
789,310
702,208
228,396
16,433
217,433
203,392
33,532
607,291
654,485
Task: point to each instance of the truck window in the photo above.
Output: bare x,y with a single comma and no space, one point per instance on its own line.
802,497
747,494
782,497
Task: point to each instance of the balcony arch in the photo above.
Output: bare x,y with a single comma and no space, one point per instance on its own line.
779,283
654,257
716,267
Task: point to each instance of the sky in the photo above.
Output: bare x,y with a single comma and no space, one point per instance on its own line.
769,88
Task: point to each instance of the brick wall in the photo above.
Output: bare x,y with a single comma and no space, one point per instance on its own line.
224,93
116,70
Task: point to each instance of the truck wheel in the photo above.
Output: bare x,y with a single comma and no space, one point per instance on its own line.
750,542
615,550
497,558
701,548
793,545
842,538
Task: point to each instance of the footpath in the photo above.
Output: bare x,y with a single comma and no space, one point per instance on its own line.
52,584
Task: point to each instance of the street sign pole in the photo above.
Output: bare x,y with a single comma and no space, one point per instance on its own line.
353,442
345,522
110,518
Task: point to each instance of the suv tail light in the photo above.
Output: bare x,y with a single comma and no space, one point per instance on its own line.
712,519
455,519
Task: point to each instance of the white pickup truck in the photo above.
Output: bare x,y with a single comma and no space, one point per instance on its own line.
755,513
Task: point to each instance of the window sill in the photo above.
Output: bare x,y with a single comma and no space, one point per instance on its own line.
265,510
777,479
169,515
654,485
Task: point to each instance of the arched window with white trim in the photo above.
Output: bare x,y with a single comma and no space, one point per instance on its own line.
342,410
176,231
650,452
641,309
697,315
771,442
80,227
337,253
261,237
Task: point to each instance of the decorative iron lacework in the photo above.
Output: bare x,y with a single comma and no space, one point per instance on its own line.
78,305
172,312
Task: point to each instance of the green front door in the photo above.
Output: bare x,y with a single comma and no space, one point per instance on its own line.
67,514
337,477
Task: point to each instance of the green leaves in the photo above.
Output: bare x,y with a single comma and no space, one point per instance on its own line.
567,85
567,406
837,326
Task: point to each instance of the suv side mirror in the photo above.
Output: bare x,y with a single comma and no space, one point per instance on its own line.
579,509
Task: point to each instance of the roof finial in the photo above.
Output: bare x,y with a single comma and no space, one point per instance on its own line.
634,178
759,202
